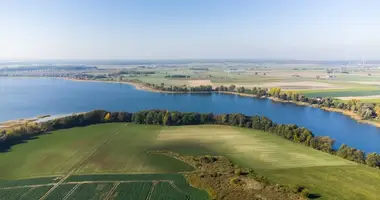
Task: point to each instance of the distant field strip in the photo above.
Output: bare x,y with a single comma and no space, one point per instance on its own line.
252,147
349,92
366,98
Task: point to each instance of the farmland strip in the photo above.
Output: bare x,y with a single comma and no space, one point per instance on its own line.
71,191
26,193
188,196
80,164
82,182
112,190
26,186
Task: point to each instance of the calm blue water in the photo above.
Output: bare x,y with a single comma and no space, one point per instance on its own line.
30,97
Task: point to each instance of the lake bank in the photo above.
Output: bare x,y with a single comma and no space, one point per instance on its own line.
27,98
350,114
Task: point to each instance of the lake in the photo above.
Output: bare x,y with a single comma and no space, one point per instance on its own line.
31,97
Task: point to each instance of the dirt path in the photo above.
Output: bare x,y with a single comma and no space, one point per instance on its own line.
71,191
87,182
151,190
179,190
112,190
26,193
26,186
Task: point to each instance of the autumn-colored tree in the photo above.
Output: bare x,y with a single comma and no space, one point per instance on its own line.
107,117
275,92
377,111
167,119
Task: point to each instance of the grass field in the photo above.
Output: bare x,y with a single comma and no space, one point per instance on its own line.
58,153
280,160
77,155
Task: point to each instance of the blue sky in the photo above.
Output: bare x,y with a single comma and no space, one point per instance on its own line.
179,29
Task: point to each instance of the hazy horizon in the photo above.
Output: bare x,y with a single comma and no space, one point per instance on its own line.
323,30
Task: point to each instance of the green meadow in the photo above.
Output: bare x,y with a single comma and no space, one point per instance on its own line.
105,152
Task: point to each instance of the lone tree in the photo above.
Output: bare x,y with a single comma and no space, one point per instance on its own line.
373,160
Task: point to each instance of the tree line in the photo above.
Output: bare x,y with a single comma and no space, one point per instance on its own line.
181,89
173,118
365,110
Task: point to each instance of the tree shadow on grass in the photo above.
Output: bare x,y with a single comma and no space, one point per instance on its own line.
314,196
6,146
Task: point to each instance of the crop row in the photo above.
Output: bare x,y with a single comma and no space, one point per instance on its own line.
126,177
135,191
60,192
91,191
23,182
165,191
12,194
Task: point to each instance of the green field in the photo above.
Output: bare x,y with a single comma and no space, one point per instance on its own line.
133,187
58,153
117,152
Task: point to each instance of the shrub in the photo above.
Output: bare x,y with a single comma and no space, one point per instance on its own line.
236,181
238,172
305,192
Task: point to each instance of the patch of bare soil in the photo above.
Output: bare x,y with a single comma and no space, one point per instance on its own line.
367,82
194,83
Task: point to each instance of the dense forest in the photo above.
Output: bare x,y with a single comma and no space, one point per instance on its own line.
172,118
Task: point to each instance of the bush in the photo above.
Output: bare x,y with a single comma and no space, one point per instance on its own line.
236,181
305,192
296,188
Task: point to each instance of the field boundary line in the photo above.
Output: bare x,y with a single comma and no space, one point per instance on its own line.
112,190
188,196
84,182
26,186
151,191
175,187
116,181
71,191
79,164
26,193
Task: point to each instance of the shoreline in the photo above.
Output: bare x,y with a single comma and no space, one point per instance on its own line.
9,124
138,86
